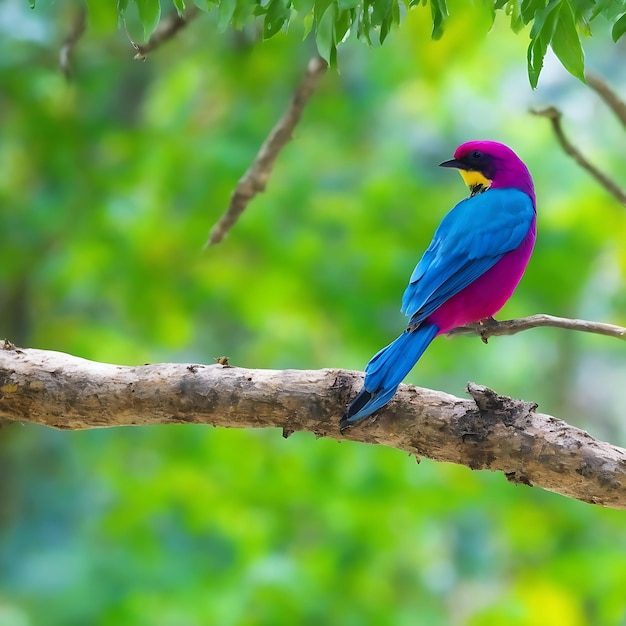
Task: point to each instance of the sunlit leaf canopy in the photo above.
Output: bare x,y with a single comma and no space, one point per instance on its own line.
560,24
109,184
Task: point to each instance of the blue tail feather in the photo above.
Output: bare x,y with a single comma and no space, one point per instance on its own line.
387,369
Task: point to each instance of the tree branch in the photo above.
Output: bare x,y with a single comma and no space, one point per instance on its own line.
493,328
167,28
258,174
554,115
611,99
487,432
66,49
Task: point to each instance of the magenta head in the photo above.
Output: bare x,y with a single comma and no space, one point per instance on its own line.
485,164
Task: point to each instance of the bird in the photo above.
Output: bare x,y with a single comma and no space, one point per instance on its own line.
474,262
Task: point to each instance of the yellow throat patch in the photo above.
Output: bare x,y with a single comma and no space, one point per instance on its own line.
475,179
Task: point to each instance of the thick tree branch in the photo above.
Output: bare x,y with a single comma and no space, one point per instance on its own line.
486,432
258,174
493,328
167,28
554,115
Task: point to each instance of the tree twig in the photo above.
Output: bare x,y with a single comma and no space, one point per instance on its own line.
258,174
493,328
486,432
554,115
611,99
66,49
167,28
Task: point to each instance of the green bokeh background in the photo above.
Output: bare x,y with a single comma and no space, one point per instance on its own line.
108,187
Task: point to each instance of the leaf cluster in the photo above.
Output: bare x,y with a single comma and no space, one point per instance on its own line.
561,24
558,24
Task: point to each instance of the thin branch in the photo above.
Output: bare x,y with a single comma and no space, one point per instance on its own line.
554,115
486,432
611,99
258,174
493,328
167,28
66,49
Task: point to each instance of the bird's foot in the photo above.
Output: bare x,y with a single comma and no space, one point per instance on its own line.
485,324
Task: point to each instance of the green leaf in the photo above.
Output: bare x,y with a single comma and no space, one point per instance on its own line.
545,21
180,6
439,11
529,8
325,33
342,24
385,15
205,5
397,9
308,24
380,8
319,8
31,3
619,28
149,14
540,36
243,13
385,27
583,26
513,9
225,13
278,13
364,25
566,42
582,7
599,8
609,9
304,7
344,5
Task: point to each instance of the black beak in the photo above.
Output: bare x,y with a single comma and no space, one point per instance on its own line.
454,163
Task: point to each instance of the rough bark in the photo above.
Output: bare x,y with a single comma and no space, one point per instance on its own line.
486,431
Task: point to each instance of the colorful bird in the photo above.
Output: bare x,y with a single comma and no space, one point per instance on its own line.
470,269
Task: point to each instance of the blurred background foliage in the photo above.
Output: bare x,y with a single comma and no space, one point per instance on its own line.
109,184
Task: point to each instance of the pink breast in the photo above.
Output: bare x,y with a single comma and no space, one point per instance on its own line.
488,293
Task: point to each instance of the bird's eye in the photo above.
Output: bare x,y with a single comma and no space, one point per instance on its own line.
477,155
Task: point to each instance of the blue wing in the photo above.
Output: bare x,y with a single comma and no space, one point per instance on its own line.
470,240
